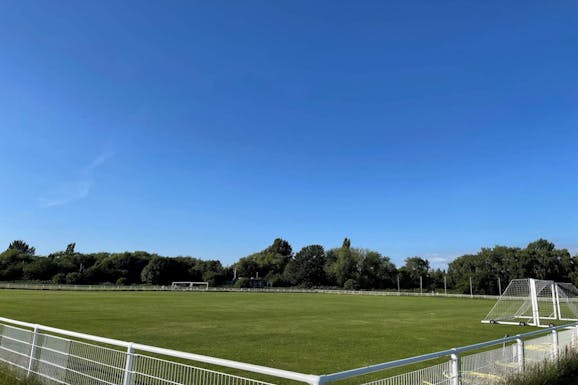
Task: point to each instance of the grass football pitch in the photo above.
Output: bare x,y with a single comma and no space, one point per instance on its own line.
309,333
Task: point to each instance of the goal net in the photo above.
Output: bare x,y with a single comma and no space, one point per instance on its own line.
535,302
190,286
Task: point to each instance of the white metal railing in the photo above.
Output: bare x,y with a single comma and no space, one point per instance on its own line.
69,361
394,293
72,358
514,355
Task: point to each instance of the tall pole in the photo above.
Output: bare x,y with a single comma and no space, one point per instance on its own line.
471,289
499,286
398,285
445,285
420,285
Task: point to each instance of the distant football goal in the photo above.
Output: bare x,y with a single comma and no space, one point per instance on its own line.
535,302
190,286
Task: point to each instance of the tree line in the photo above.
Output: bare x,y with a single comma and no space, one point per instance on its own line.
277,265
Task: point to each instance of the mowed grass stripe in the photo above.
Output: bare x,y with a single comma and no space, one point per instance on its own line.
310,333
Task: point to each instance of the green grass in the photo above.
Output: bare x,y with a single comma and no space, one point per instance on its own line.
9,377
310,333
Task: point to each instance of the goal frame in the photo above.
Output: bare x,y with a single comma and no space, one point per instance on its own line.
536,304
189,285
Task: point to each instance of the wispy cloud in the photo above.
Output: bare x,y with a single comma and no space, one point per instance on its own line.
72,191
66,193
99,160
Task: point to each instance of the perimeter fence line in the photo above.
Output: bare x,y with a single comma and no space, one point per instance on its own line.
26,286
57,356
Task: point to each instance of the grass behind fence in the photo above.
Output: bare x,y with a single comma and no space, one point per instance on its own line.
309,333
9,377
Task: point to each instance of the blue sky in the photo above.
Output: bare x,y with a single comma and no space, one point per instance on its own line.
210,128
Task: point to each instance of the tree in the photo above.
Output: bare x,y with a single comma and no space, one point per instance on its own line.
164,270
540,259
359,268
41,269
70,248
375,270
158,271
410,273
307,267
110,268
345,266
268,264
12,263
22,247
437,279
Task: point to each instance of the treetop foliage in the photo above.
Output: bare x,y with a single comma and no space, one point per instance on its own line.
312,266
22,247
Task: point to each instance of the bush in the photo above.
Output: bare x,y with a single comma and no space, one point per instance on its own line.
74,278
351,284
59,278
564,372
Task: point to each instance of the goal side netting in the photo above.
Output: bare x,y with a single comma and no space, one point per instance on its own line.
535,302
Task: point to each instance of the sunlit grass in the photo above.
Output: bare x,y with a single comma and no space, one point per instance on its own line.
310,333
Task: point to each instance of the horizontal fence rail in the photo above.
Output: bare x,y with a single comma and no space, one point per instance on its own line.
46,352
58,356
514,355
410,293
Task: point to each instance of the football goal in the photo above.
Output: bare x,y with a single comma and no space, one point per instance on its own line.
535,302
190,286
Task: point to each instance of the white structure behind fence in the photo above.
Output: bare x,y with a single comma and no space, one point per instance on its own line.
58,356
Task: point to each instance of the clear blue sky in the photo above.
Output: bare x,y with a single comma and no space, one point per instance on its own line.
208,129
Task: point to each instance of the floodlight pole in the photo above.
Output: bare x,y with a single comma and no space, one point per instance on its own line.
471,289
499,286
420,285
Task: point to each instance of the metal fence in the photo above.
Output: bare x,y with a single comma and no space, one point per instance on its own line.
57,356
411,293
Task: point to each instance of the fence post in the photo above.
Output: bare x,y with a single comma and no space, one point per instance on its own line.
520,354
555,344
129,365
33,349
455,369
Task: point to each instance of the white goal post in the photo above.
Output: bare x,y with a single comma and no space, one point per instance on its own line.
535,302
190,285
